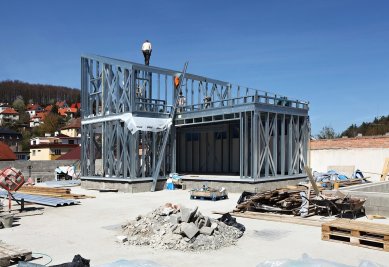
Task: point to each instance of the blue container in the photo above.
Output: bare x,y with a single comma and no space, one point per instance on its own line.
169,186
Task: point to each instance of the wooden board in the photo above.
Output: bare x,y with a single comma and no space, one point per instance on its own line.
277,218
356,233
11,254
385,170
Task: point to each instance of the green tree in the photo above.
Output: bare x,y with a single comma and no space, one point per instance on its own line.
327,132
26,136
51,124
24,118
19,104
54,109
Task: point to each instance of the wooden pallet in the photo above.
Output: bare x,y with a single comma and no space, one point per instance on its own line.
11,254
363,234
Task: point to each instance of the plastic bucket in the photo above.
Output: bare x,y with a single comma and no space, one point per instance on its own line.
169,186
7,221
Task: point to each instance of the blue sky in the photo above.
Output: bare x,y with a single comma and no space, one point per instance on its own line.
334,54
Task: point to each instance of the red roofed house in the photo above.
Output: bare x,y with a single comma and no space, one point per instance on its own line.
76,105
33,109
52,147
7,115
62,112
38,119
48,108
61,104
74,154
366,153
6,153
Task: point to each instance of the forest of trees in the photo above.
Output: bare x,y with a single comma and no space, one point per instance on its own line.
379,126
37,93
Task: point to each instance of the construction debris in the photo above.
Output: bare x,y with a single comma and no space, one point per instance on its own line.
284,200
174,227
299,201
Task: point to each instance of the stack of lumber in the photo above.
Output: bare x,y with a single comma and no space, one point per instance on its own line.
357,233
51,192
283,200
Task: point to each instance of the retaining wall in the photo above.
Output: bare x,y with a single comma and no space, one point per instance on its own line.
42,169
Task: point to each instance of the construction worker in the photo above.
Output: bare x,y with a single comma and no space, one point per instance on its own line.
181,101
146,50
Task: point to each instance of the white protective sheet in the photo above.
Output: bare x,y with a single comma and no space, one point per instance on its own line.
135,124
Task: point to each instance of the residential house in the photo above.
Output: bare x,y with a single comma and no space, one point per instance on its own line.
3,106
37,119
73,128
11,138
8,115
6,153
62,104
76,105
74,154
33,109
52,147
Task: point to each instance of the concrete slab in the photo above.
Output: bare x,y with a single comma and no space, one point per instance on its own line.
85,229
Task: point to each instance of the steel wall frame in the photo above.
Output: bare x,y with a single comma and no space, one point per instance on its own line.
274,130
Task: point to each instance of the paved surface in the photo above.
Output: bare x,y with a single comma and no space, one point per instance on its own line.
90,229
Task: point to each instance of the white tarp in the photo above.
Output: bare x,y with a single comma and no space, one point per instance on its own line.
135,124
146,124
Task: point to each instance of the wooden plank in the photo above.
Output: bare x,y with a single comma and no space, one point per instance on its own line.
9,254
276,218
385,170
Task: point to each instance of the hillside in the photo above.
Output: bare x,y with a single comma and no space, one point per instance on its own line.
38,93
379,126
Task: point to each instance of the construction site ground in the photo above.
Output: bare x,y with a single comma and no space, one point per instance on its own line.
90,229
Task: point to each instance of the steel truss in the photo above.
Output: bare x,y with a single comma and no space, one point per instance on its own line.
273,135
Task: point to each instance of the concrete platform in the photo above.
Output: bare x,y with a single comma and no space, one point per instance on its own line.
377,195
233,184
90,229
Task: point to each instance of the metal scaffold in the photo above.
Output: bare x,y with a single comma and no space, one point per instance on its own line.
218,128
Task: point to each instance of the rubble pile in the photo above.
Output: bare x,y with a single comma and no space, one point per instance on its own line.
174,227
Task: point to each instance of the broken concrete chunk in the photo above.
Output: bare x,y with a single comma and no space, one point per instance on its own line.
189,229
192,214
175,219
167,211
121,238
207,222
177,230
185,214
214,225
201,223
206,230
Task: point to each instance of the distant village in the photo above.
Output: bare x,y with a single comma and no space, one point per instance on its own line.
37,132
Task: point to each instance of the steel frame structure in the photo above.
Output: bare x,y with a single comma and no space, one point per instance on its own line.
273,130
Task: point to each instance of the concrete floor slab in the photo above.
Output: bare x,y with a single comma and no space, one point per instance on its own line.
90,229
